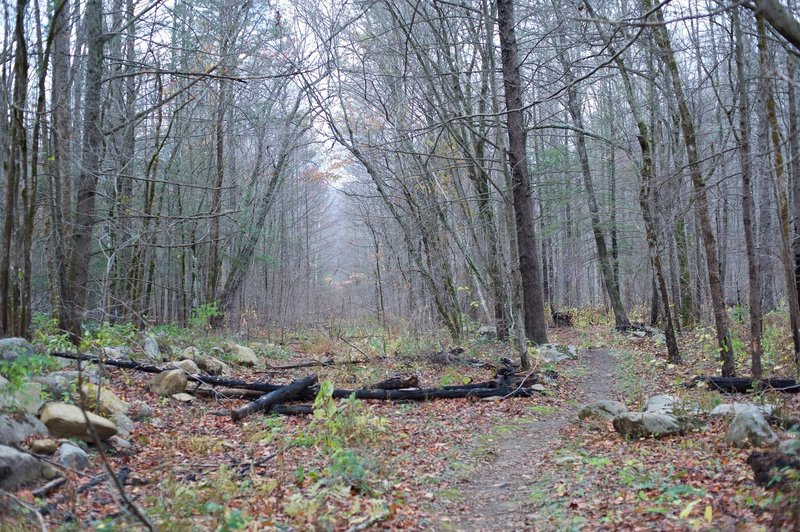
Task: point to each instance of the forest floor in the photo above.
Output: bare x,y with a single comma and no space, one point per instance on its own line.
464,464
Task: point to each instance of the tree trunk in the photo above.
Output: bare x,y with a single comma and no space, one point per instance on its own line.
517,155
701,198
748,212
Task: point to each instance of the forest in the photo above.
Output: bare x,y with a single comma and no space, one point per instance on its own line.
399,264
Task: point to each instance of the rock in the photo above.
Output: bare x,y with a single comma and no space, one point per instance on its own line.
556,353
15,429
151,349
183,397
538,388
17,468
750,428
660,404
141,412
189,366
731,409
107,401
67,421
487,331
169,382
606,410
124,424
120,443
242,354
73,457
44,446
790,446
646,425
50,472
25,398
112,352
62,385
206,363
13,348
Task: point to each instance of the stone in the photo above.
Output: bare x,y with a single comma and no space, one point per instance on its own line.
151,349
13,348
538,388
661,404
44,446
731,409
72,456
106,401
206,363
120,443
169,382
242,354
646,425
68,421
141,412
605,410
14,429
17,468
790,446
187,365
183,397
62,385
551,353
24,398
50,472
487,331
124,424
112,352
750,428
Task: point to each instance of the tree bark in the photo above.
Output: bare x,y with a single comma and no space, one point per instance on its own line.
285,393
748,211
701,198
535,325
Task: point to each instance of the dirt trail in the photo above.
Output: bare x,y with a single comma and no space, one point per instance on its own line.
496,497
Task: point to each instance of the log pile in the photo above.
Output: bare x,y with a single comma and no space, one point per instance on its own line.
271,397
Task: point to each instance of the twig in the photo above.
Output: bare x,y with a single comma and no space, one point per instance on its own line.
28,507
50,486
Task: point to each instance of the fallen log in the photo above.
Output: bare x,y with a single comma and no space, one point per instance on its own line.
317,363
150,368
290,391
397,382
292,410
745,384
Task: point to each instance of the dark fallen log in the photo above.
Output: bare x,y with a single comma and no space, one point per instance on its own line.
435,393
226,393
48,488
292,410
396,383
285,393
745,385
317,363
770,468
478,390
150,368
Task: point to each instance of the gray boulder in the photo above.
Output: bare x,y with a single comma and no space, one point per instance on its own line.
661,404
106,402
556,353
487,331
646,425
25,398
61,385
750,428
151,349
790,446
13,348
206,363
242,354
731,409
141,411
72,456
169,383
189,366
14,429
183,397
604,410
124,424
68,421
17,468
